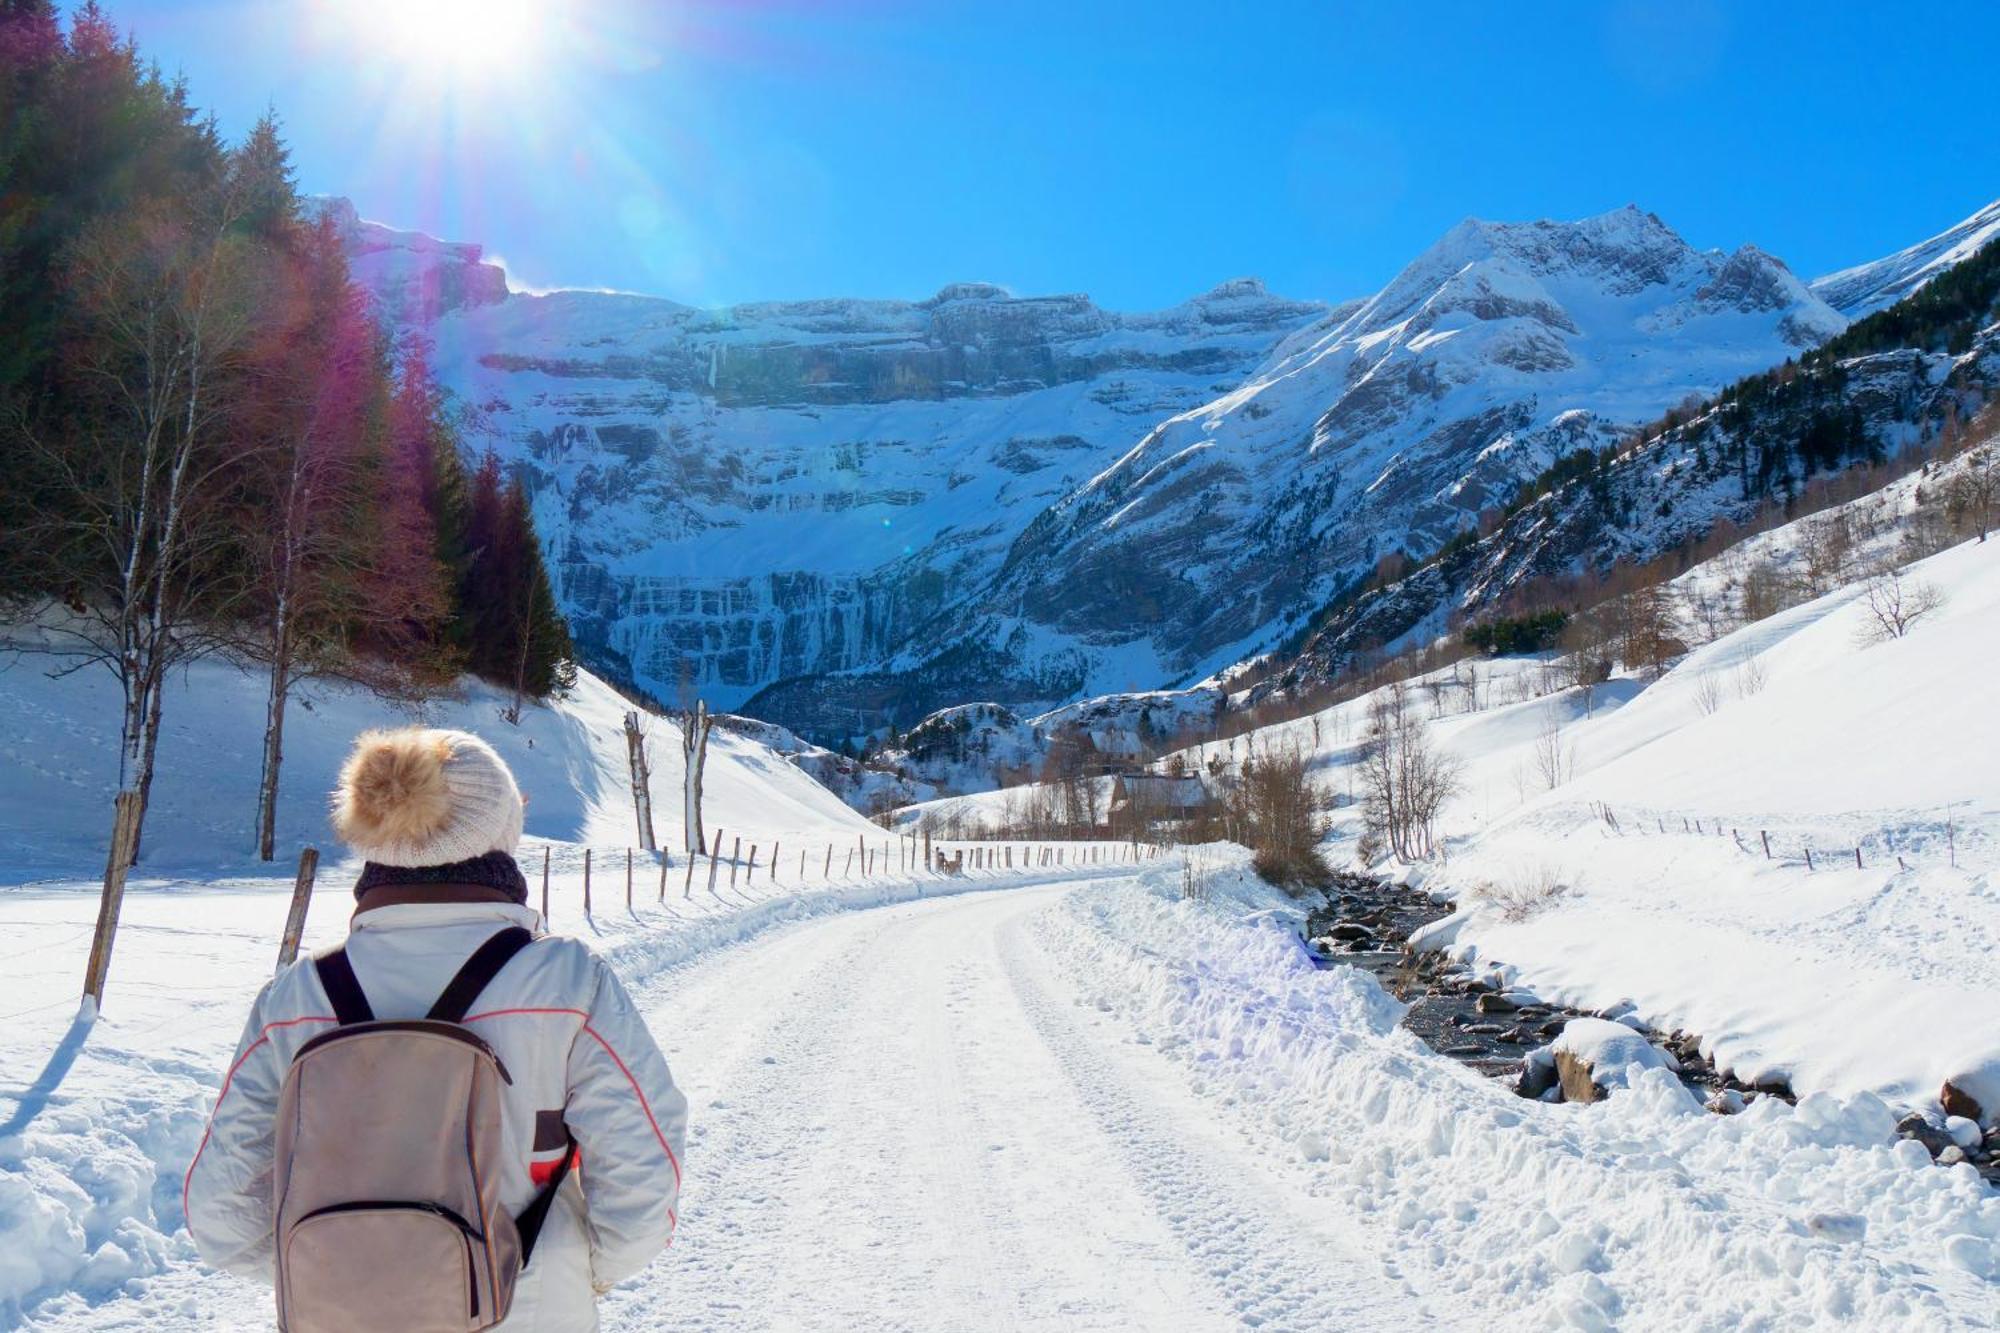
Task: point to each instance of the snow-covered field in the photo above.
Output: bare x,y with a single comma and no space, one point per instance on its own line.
1081,1101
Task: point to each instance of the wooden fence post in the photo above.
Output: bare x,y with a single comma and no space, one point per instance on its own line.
545,887
848,870
586,881
750,877
628,879
1857,858
826,871
774,861
665,858
735,855
1767,842
1809,861
713,851
687,887
295,920
124,832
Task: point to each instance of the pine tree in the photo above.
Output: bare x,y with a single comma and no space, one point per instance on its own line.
261,175
543,656
416,571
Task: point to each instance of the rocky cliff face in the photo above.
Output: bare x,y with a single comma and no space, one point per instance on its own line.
838,513
785,492
415,278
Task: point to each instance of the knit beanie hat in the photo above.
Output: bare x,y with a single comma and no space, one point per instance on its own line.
424,797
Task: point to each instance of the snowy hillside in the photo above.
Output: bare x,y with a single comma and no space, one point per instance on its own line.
1866,288
60,770
1833,976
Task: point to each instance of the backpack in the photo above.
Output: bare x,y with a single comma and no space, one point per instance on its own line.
388,1159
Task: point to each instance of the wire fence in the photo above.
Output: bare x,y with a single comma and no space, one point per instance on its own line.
1789,847
739,871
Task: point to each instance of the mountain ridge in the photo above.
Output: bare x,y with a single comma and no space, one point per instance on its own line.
839,513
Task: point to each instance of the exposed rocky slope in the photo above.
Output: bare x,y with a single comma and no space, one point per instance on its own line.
836,514
1892,381
1501,348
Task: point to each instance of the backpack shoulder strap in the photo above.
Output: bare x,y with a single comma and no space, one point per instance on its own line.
478,972
336,978
529,1223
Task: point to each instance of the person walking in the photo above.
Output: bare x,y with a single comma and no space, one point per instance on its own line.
454,1121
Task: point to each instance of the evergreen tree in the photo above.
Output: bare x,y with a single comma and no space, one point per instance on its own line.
261,175
543,654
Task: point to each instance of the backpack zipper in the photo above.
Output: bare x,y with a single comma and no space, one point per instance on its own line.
432,1026
466,1233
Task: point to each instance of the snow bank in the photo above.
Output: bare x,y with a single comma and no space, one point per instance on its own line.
59,769
1642,1212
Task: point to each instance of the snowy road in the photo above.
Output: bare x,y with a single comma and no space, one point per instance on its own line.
903,1118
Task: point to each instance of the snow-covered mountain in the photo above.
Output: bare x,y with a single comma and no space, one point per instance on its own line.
1866,288
838,513
1394,427
743,496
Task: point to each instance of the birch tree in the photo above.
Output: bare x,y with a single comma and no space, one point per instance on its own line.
695,727
140,533
639,762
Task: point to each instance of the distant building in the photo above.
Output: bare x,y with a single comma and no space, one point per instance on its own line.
1141,801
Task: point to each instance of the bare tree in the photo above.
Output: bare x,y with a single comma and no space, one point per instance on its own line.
1407,779
695,726
638,761
314,551
1586,657
1276,809
1751,675
1973,495
1826,549
1896,603
1763,592
141,534
1555,759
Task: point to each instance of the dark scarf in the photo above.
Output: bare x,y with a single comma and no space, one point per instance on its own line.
495,871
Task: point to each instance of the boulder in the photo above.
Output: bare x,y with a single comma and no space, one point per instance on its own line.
1592,1055
1957,1101
1538,1074
1495,1004
1920,1130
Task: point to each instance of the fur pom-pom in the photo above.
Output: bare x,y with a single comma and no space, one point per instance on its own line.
393,793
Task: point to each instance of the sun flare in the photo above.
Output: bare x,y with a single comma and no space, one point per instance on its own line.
463,40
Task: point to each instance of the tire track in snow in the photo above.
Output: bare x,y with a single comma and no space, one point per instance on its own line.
883,1143
1280,1266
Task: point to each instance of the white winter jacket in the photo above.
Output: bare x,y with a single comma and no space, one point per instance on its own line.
568,1034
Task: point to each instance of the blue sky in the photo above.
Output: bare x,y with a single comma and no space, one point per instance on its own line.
780,149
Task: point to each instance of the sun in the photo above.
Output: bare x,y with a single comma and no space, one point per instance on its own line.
458,41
